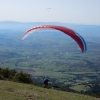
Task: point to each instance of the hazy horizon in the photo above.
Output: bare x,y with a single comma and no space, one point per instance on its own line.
65,11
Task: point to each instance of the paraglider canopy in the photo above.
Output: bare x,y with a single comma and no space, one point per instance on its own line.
48,9
74,35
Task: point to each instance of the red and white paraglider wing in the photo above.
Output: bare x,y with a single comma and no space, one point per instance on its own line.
80,41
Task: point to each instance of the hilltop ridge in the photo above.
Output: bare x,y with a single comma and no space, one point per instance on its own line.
20,91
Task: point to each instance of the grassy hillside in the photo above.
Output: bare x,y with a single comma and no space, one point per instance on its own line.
19,91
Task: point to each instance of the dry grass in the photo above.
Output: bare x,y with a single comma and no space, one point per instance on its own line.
18,91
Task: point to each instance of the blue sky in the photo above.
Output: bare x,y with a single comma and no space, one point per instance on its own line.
67,11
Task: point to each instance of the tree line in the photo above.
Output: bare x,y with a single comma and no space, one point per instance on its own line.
13,75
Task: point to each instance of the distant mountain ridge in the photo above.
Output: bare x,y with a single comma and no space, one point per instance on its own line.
23,26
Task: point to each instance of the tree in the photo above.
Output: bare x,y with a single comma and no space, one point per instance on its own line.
22,77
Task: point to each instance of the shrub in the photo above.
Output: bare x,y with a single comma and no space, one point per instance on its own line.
15,76
22,77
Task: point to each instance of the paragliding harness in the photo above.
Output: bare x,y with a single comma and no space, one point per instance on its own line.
45,82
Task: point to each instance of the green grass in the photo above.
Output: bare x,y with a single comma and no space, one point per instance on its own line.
80,88
18,91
